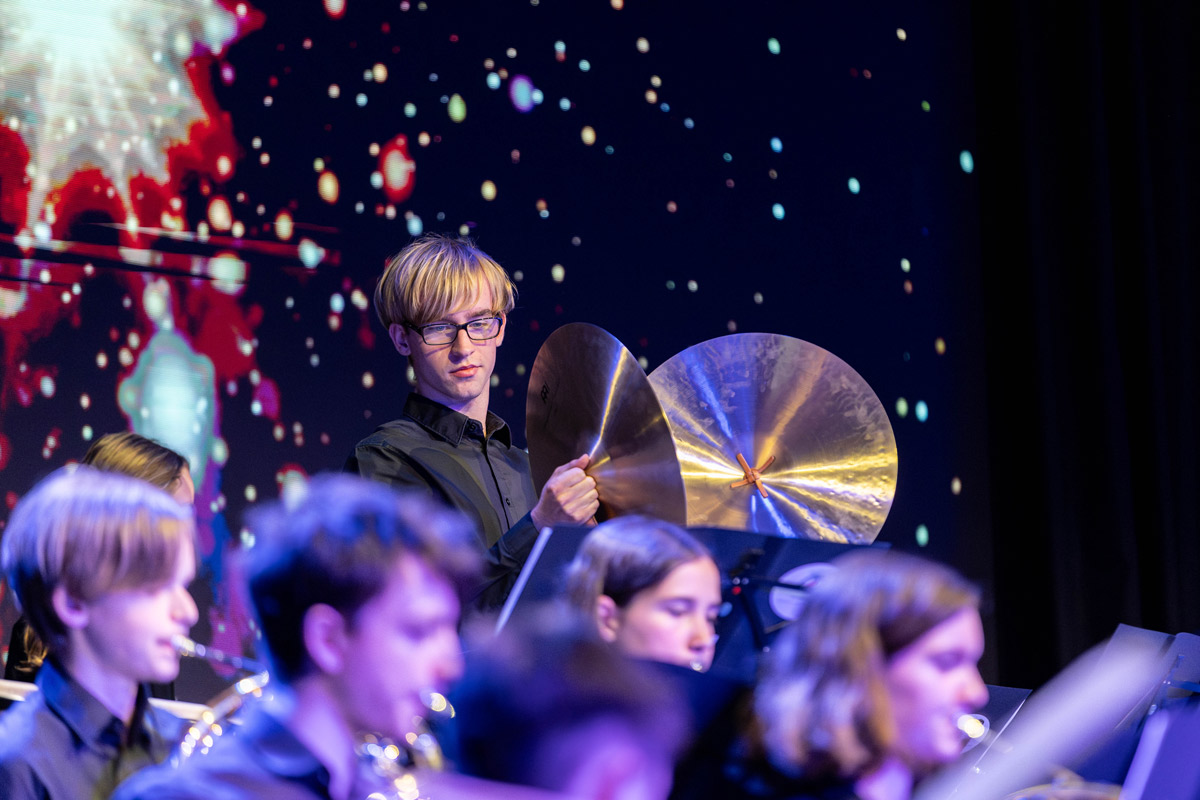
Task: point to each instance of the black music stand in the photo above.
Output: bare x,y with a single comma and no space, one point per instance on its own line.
752,565
1176,676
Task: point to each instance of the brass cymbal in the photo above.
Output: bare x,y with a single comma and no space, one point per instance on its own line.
587,394
818,449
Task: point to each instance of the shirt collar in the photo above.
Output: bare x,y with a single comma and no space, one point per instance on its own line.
449,424
280,752
94,724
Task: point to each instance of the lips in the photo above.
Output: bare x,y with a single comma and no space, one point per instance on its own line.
465,372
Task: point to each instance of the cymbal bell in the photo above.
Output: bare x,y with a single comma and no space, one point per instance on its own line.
777,435
587,394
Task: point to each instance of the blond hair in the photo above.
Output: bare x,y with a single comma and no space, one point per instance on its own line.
134,455
434,274
90,532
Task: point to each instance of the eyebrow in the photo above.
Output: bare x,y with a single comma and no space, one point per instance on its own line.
479,313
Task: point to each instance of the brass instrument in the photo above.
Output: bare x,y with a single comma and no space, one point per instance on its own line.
752,431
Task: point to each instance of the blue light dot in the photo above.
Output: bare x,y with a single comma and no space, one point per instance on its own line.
922,411
585,65
854,185
670,285
560,47
966,161
664,107
728,157
773,46
538,97
902,408
493,80
520,91
608,149
922,535
564,104
777,211
361,100
776,144
688,123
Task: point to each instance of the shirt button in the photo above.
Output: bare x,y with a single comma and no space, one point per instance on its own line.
507,502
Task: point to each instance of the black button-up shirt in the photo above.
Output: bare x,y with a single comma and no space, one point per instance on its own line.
61,743
259,759
479,472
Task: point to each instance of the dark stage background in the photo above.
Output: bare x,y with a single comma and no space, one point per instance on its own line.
981,209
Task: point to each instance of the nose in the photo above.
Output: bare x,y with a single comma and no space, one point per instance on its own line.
462,343
975,692
449,666
183,607
700,634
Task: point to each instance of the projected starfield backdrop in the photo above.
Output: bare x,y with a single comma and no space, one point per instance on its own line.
197,196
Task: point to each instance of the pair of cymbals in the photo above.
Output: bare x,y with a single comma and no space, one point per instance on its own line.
750,431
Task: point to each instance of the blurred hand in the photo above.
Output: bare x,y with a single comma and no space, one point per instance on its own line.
568,498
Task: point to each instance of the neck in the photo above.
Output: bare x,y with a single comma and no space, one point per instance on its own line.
114,691
309,711
476,408
893,780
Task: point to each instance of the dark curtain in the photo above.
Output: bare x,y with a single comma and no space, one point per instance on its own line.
1087,163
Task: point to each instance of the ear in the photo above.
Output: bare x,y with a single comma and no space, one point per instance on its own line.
608,618
503,325
399,336
73,612
325,638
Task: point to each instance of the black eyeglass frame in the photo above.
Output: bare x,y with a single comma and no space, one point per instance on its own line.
420,329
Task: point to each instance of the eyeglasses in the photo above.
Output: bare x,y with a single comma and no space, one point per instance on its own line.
479,330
